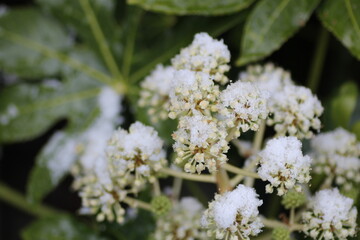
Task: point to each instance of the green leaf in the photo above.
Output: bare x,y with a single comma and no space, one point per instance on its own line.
187,7
168,44
343,105
59,228
53,162
342,18
72,15
269,26
356,129
31,24
28,110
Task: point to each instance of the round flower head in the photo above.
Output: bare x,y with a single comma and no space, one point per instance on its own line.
267,78
339,141
182,222
330,216
283,165
233,215
201,142
192,93
135,156
244,106
99,195
295,111
336,154
155,90
205,54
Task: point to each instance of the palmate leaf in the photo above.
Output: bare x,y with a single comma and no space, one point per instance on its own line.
193,7
28,110
342,18
59,228
93,22
270,24
31,24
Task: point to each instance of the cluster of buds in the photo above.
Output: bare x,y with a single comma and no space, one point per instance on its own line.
244,107
283,165
330,216
206,55
193,93
336,154
294,110
201,142
155,90
182,222
134,157
233,215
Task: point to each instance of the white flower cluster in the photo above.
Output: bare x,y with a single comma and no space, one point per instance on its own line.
155,90
208,118
330,216
336,154
134,157
233,215
206,55
200,142
244,106
283,165
294,110
92,177
182,222
192,93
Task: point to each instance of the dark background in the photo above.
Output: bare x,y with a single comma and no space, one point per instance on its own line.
16,160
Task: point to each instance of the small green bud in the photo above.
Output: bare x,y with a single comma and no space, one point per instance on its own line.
280,233
161,205
293,199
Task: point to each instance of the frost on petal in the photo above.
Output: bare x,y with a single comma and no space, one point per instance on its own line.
182,222
283,164
200,142
336,154
155,91
232,213
330,214
206,55
295,111
243,105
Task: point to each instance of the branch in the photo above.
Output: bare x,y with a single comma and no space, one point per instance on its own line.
188,176
17,200
137,203
71,62
100,39
240,171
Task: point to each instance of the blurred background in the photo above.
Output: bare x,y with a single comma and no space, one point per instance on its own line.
339,69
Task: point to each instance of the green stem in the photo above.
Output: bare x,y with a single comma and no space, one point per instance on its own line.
17,200
259,137
273,223
130,43
257,144
157,189
292,216
100,39
222,180
239,171
317,62
71,62
137,203
177,185
200,178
